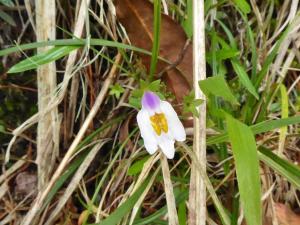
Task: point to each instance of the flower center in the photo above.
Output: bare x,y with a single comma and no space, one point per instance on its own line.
159,123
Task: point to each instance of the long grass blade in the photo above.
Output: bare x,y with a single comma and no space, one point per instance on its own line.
258,128
281,166
42,58
121,211
156,38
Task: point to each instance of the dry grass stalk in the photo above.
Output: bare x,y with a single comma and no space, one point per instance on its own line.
3,189
4,178
47,138
197,198
99,100
170,198
15,167
74,182
69,71
145,173
202,172
78,30
30,14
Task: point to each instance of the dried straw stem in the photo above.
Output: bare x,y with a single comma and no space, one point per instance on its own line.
197,198
171,204
48,126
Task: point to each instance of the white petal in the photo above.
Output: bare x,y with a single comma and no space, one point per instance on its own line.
167,147
147,133
175,126
151,147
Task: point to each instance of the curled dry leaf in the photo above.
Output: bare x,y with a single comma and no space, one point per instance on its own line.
137,18
286,216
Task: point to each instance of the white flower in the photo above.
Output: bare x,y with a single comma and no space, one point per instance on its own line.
159,125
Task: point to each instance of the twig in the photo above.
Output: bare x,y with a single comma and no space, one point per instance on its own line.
197,198
177,61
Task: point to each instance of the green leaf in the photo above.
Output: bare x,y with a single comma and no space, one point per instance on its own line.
226,53
180,198
116,90
243,5
137,94
73,42
243,77
230,36
62,179
122,210
156,37
258,128
222,54
42,58
8,3
135,102
182,214
284,114
271,56
154,86
247,169
7,18
2,128
190,104
250,38
187,23
288,170
137,166
217,86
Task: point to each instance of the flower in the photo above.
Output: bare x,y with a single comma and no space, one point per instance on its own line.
159,125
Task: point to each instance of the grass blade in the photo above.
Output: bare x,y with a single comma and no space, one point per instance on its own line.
41,59
270,58
243,76
180,198
72,42
8,3
243,5
187,24
258,128
66,175
284,114
121,211
247,169
283,167
7,18
156,37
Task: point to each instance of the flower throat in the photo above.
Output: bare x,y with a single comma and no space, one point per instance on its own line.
159,123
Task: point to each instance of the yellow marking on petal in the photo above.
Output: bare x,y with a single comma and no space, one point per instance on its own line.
159,123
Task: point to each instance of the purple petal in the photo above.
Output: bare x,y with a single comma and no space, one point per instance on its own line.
150,100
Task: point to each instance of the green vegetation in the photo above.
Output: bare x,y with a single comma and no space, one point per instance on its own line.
252,94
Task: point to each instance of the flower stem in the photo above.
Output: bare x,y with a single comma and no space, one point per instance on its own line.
171,204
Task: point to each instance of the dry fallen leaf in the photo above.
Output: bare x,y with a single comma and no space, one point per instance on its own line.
124,133
137,18
286,216
26,183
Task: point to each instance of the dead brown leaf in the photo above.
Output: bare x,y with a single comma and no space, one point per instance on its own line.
25,184
137,18
124,133
286,216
